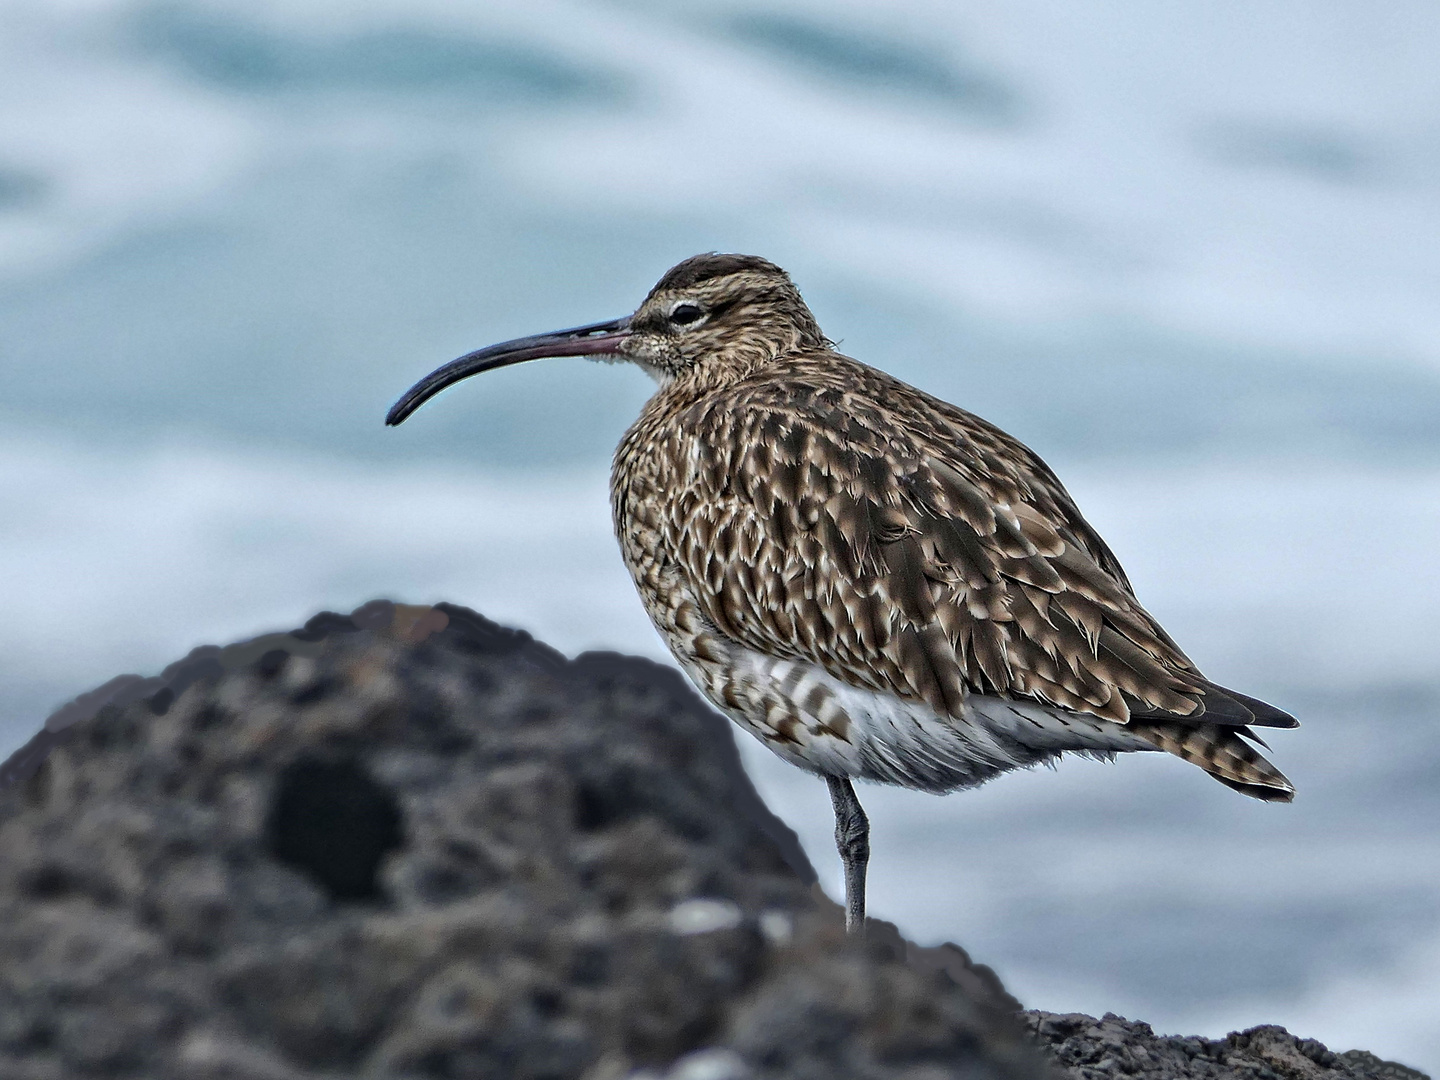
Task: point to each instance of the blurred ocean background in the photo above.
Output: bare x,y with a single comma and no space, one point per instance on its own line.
1189,252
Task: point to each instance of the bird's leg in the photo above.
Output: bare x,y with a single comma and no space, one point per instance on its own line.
852,837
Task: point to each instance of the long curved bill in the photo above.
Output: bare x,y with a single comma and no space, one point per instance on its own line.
597,339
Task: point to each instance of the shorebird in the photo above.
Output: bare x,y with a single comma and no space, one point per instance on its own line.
876,584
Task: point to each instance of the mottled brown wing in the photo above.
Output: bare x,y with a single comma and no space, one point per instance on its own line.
841,516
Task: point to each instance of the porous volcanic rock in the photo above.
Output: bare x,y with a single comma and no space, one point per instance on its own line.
1113,1048
411,843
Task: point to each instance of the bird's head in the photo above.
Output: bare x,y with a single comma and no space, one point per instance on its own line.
712,318
723,311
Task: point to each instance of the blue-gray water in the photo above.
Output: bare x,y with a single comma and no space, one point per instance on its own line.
1186,252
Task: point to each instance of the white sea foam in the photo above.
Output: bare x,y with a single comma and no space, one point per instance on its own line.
119,558
109,142
1265,176
126,560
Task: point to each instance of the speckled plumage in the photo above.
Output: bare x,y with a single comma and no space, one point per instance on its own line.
803,529
875,583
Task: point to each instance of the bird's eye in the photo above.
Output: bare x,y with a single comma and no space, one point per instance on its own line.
685,314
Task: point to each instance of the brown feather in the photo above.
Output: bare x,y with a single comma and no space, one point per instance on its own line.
808,506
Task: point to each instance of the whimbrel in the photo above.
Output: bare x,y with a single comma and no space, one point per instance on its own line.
872,582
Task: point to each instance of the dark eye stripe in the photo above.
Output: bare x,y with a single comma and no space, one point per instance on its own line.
685,314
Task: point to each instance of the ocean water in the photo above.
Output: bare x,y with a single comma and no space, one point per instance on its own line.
1186,252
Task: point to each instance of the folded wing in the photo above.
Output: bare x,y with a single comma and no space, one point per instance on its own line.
906,545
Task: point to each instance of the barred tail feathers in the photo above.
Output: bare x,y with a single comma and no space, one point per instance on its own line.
1222,752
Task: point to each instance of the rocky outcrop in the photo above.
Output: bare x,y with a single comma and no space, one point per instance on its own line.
1113,1048
411,843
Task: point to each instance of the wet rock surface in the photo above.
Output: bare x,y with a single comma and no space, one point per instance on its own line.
411,843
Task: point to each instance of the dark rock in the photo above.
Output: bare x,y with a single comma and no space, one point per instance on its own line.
410,843
1092,1049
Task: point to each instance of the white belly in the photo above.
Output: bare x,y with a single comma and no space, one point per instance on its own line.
827,726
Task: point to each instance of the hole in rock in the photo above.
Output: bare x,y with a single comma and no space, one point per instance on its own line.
334,821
